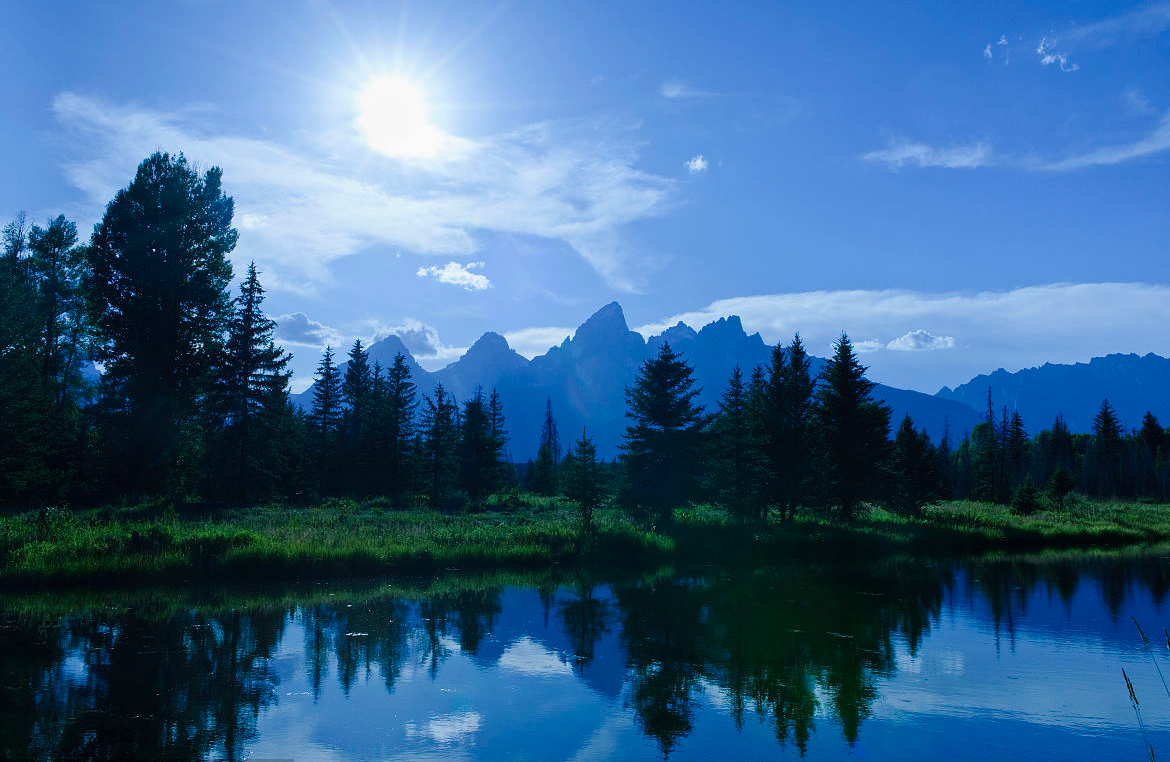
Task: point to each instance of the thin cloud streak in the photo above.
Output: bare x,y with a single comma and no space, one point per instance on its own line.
304,208
903,152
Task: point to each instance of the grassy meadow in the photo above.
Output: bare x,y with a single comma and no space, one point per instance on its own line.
355,538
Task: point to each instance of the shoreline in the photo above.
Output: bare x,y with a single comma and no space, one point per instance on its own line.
341,538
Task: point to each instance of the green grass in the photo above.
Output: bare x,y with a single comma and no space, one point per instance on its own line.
348,538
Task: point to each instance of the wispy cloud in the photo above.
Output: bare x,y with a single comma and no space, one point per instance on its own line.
696,164
1147,21
303,205
1136,100
903,152
1023,327
987,51
677,90
1156,142
1049,56
458,275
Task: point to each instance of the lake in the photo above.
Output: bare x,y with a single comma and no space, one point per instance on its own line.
893,659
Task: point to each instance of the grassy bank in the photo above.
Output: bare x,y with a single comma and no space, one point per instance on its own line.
345,538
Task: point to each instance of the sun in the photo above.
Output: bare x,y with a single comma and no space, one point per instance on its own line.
393,116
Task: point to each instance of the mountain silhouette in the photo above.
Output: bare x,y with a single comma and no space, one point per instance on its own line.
1133,384
585,378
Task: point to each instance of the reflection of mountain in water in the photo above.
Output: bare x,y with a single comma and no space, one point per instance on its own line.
171,678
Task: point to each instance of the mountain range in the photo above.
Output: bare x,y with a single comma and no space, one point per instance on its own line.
585,378
1133,384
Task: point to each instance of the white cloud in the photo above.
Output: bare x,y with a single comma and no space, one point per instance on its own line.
987,51
1002,40
421,339
458,275
310,203
696,164
528,657
919,340
1063,322
1156,142
531,342
298,329
902,152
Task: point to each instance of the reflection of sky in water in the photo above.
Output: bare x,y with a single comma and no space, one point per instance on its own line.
1042,685
1038,674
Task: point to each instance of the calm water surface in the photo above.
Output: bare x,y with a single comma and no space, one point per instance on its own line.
893,660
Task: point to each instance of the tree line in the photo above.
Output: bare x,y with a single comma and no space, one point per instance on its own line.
192,402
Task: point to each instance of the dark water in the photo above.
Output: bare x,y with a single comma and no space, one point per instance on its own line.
893,660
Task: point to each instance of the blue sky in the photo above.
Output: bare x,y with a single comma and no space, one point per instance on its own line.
960,187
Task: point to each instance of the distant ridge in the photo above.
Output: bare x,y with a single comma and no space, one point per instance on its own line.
586,375
1133,384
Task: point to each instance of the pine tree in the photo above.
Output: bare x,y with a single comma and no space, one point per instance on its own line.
855,431
1026,499
439,448
1107,445
356,387
476,462
1016,450
915,467
254,382
34,435
582,479
326,417
158,294
58,267
736,461
788,425
1060,485
548,454
662,447
400,428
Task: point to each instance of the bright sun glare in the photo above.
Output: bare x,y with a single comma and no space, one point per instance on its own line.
393,115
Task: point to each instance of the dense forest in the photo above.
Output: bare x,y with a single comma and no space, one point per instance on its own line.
192,403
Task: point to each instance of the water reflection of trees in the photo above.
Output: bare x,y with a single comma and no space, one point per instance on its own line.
120,685
773,643
784,646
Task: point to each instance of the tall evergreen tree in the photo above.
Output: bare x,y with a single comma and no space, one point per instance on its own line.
356,445
548,454
254,379
789,426
440,447
158,295
33,433
58,267
326,418
582,479
1107,446
400,428
915,467
662,447
736,463
855,431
